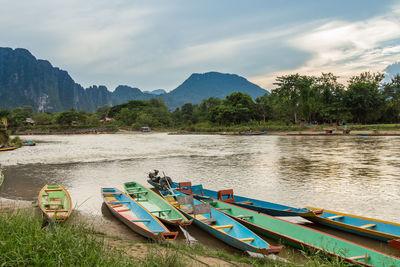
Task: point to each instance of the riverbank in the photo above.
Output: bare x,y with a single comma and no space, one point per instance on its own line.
206,128
91,240
94,241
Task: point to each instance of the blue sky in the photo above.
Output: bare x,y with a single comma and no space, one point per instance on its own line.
158,44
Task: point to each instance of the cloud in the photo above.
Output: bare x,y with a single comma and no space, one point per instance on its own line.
346,48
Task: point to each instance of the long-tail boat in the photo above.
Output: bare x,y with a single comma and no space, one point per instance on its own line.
135,216
55,202
379,134
157,205
220,225
373,228
305,238
250,203
8,148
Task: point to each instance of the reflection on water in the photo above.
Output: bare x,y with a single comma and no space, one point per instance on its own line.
358,175
355,174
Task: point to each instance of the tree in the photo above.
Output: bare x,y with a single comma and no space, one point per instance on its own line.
391,94
364,98
264,106
70,117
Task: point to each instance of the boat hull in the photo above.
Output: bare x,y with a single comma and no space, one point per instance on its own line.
305,238
232,235
8,148
383,230
154,202
55,202
135,216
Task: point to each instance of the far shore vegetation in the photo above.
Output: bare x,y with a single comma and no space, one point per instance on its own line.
298,103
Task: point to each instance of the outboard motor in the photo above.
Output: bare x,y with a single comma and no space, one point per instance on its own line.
165,182
153,176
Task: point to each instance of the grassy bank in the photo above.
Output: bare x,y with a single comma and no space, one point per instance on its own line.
24,241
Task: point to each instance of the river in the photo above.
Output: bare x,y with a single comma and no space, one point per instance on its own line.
353,174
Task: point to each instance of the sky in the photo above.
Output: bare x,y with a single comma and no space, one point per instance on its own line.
158,44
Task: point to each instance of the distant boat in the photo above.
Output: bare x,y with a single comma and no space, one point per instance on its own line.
373,228
157,205
380,134
8,148
220,225
55,202
135,216
30,143
313,134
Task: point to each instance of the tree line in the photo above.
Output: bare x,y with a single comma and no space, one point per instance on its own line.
296,98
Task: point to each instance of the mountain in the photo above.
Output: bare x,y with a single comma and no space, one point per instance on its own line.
27,81
211,84
156,92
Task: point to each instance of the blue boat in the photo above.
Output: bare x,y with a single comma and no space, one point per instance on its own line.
269,208
373,228
135,216
219,224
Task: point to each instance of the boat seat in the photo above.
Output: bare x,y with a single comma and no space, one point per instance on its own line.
57,211
224,209
245,202
365,257
110,194
287,210
160,211
187,209
244,216
141,220
185,200
366,226
52,190
335,217
138,192
223,226
122,210
251,239
208,221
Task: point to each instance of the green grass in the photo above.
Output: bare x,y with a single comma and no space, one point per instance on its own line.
25,242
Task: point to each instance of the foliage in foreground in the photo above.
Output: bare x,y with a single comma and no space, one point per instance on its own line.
24,242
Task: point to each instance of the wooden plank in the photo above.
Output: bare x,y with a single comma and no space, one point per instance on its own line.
247,239
159,211
52,190
371,225
223,226
335,217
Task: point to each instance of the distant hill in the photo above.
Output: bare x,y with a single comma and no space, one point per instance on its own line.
211,84
124,93
156,92
391,71
27,81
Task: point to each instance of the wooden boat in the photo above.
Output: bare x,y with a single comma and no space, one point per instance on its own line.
305,238
250,203
8,148
157,205
382,134
30,143
313,134
373,228
135,216
220,225
55,202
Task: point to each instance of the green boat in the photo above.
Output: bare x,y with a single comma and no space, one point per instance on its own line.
154,203
55,202
305,238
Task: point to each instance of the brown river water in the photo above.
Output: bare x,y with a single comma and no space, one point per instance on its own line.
358,175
